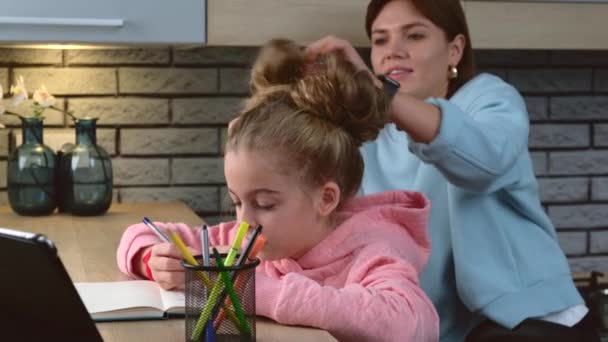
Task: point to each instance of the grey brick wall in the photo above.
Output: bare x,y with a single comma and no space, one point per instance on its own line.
163,116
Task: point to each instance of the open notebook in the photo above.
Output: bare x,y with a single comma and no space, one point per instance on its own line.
130,300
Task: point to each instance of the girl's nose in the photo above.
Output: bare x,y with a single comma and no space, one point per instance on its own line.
246,216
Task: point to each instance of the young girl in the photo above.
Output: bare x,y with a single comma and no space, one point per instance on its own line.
347,265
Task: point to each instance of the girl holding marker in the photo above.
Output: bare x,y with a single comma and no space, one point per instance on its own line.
292,164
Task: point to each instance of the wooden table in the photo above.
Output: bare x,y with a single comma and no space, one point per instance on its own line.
87,247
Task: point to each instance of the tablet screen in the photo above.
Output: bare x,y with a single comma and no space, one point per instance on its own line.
38,296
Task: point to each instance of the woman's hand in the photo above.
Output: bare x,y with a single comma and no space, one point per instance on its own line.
165,264
419,119
331,44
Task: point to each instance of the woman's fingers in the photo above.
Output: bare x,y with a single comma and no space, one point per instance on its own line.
331,44
324,46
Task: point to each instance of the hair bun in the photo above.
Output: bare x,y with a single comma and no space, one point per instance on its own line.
345,96
279,62
332,89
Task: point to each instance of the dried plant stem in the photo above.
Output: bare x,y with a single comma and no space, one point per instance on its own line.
66,112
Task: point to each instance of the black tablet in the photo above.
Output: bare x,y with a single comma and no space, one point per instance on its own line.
38,299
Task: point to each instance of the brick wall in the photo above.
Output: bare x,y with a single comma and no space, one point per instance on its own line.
163,116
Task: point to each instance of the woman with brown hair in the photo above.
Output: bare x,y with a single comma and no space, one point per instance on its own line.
496,271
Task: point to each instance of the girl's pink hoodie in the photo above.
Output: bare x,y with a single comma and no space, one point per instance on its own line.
360,283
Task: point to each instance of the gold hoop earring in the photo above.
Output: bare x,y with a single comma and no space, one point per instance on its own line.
452,72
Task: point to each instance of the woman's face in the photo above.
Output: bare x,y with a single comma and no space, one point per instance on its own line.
412,50
263,195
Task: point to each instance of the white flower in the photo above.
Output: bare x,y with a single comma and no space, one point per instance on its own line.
43,97
19,91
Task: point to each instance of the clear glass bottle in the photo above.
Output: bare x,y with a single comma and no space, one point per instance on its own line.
31,172
85,173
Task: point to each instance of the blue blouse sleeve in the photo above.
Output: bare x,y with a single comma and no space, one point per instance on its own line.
482,133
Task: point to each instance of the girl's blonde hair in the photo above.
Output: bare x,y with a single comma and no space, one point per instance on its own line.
313,116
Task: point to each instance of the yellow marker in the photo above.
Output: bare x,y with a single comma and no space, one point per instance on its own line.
182,248
177,241
234,249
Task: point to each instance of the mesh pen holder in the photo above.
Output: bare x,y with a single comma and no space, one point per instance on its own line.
206,286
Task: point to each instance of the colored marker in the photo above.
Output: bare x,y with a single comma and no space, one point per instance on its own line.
218,287
209,333
155,229
177,241
240,280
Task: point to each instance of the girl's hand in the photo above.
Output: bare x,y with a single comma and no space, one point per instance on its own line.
331,44
165,264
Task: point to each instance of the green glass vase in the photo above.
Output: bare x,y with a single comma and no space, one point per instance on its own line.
84,173
31,172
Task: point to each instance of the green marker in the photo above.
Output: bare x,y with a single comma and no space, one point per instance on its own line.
177,241
240,314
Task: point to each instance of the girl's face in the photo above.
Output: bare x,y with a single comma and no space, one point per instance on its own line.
412,50
293,217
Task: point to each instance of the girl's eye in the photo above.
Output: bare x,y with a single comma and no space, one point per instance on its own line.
415,36
265,206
